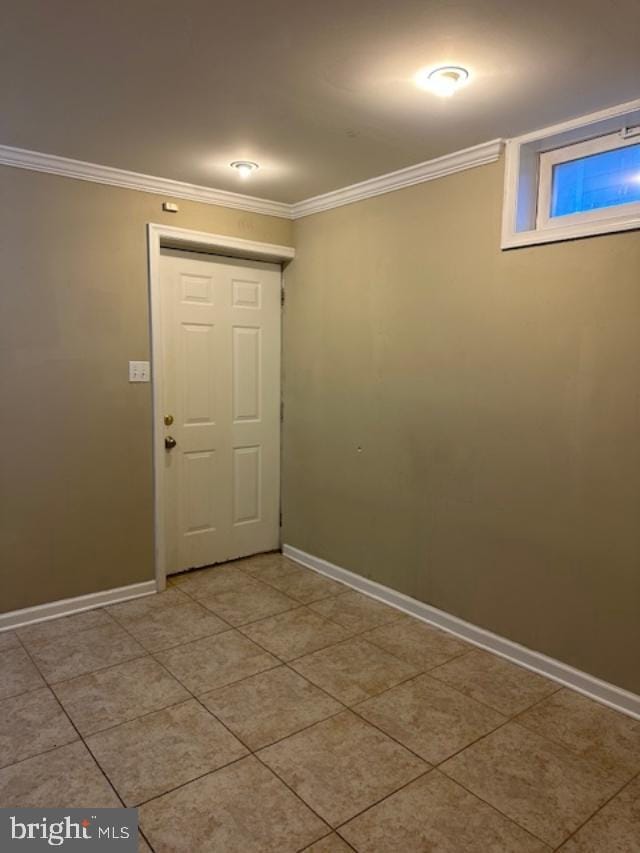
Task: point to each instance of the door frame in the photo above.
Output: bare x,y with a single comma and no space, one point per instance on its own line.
169,237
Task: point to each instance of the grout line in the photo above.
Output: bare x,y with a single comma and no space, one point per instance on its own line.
599,809
287,663
295,794
478,796
109,728
508,716
158,651
432,764
89,672
298,731
296,606
440,769
326,838
81,738
251,753
345,707
189,781
436,769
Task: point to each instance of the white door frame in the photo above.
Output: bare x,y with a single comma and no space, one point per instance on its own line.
168,237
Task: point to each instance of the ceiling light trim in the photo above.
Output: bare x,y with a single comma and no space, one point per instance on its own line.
478,155
53,164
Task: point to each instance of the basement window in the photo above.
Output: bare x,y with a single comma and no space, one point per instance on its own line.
574,180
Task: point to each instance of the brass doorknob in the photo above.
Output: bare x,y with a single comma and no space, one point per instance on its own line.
169,442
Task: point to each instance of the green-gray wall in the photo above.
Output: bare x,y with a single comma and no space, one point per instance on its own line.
76,484
463,424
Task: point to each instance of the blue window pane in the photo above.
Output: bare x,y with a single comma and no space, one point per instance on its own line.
600,180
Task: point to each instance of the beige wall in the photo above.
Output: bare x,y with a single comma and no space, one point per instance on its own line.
496,399
75,437
494,396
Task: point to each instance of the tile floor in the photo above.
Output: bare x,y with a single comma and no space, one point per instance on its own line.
259,707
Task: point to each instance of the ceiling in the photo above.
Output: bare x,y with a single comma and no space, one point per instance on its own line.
318,92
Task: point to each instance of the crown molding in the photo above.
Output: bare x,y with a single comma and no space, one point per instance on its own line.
478,155
36,161
51,163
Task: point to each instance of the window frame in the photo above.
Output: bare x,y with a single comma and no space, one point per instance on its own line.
578,151
521,225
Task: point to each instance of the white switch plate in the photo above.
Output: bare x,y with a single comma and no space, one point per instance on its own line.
139,371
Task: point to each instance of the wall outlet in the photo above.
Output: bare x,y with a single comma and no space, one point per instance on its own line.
139,371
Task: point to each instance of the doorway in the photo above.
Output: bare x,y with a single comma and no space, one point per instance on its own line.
216,330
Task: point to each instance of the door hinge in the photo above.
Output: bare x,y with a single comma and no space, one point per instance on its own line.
281,410
280,518
282,296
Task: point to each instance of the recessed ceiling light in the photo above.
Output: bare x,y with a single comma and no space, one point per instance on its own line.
443,81
244,167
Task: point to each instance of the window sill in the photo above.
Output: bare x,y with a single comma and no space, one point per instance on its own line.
559,233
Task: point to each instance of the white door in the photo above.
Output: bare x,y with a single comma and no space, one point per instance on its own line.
221,367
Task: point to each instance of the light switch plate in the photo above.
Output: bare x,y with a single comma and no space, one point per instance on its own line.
139,371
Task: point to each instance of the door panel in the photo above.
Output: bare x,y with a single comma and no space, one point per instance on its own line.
221,364
198,367
246,373
246,484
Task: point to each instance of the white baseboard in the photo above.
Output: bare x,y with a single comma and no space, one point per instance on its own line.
67,606
595,688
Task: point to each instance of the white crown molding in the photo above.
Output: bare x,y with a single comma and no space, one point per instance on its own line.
601,691
35,161
478,155
67,606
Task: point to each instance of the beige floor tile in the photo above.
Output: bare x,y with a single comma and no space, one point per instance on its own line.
614,829
17,673
303,584
589,729
137,608
272,569
265,564
8,640
495,681
430,718
214,580
418,643
434,815
330,844
112,696
65,657
240,606
143,847
243,808
354,670
32,723
160,751
537,783
341,766
270,706
173,626
63,626
216,661
66,778
295,633
356,612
